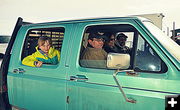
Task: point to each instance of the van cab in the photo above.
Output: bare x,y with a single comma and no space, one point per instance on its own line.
137,80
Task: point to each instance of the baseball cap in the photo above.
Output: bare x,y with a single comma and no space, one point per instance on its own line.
121,35
97,36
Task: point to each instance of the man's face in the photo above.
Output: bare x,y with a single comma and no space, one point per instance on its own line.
122,41
45,47
96,43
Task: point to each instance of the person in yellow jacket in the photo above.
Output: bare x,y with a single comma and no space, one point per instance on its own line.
45,53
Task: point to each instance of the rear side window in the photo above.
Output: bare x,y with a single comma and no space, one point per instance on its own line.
31,42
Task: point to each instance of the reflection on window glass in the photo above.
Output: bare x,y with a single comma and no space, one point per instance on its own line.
146,58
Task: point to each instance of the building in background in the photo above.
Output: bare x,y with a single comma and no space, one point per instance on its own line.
156,18
176,35
177,32
4,39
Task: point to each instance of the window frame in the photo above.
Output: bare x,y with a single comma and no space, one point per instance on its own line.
164,67
27,37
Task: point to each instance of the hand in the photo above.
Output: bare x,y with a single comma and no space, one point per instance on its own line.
39,63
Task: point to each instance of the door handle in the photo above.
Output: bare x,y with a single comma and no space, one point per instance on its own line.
19,70
81,78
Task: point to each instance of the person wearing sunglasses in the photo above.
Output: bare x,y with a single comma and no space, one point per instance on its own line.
109,45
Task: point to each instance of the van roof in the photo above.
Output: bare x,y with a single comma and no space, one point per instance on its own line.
91,19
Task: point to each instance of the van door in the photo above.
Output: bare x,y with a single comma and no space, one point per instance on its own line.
42,88
93,87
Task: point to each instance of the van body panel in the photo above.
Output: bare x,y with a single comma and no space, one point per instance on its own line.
38,88
53,87
158,42
101,91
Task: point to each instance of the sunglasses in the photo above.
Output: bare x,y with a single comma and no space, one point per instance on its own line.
122,39
112,39
99,40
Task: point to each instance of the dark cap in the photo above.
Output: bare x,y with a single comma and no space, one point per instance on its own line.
97,36
121,35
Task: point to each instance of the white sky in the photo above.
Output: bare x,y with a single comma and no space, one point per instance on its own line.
56,10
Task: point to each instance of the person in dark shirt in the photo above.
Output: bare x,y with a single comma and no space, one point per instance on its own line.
109,45
121,43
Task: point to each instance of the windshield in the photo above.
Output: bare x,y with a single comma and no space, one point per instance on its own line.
166,41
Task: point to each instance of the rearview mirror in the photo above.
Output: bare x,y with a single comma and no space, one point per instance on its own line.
118,61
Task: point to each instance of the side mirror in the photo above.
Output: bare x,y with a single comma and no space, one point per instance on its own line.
1,55
118,61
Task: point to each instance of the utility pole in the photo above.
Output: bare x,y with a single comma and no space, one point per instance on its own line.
167,31
173,32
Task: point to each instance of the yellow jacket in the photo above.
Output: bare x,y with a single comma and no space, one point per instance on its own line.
52,58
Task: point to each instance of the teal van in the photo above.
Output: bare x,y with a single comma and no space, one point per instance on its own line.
139,80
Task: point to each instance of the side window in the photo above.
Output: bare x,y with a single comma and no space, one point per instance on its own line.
55,35
146,57
99,40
